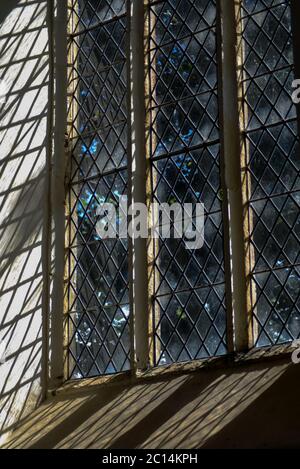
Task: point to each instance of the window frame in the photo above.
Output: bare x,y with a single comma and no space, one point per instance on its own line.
236,251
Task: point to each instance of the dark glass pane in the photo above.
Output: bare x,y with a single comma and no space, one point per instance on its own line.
98,295
188,313
272,147
192,325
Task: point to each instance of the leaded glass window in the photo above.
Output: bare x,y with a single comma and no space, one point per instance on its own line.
272,158
98,300
189,292
190,57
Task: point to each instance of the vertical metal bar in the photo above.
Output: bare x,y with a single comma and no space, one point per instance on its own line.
72,106
129,165
58,191
46,248
225,208
153,243
295,13
138,182
232,157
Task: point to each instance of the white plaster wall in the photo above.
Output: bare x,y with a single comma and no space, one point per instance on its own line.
24,67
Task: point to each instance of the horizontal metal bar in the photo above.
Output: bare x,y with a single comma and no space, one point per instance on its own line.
171,154
188,290
269,126
182,38
99,176
273,196
71,36
270,72
263,10
274,269
182,100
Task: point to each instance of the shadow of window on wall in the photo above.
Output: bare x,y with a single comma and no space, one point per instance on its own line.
24,153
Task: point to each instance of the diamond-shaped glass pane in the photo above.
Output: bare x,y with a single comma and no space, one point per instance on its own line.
188,311
192,325
98,291
272,146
